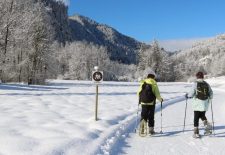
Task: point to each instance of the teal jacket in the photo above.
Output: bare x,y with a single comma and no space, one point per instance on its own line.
197,104
155,89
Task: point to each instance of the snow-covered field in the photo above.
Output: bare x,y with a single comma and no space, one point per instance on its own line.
58,119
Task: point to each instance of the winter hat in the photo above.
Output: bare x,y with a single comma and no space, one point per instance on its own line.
151,74
200,75
148,71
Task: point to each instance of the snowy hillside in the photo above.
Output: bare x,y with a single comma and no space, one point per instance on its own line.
120,47
207,55
59,119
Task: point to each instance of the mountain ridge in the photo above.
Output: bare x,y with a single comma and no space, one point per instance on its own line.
120,47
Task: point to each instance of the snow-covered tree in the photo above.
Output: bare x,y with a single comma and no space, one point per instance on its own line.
207,56
26,38
157,59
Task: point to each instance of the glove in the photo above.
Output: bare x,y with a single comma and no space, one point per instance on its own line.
161,99
186,95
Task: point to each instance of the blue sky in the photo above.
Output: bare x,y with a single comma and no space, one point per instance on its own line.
146,20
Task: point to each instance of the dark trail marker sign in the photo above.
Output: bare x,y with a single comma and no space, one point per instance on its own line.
97,77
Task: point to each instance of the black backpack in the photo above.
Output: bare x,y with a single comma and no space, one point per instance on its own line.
146,95
202,91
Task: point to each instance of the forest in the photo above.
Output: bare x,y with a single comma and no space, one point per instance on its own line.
38,41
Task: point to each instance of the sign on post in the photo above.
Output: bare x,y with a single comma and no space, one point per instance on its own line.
97,76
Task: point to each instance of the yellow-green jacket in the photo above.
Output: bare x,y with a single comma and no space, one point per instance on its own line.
155,90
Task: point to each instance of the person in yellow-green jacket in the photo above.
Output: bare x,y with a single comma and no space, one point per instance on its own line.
148,93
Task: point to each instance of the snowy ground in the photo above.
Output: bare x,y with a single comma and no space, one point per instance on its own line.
58,119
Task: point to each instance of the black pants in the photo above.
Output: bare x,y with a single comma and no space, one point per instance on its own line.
147,113
199,115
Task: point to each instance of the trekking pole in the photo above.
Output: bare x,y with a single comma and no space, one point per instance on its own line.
136,123
185,114
161,118
212,119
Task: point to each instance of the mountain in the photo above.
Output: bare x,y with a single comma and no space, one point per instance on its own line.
120,47
57,10
207,56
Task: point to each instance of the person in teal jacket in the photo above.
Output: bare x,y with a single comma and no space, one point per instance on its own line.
148,109
201,93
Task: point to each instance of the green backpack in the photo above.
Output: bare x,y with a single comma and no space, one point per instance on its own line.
202,91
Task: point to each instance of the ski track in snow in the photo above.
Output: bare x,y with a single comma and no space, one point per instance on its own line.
129,126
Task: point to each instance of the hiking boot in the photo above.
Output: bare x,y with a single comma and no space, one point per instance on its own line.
196,130
208,127
151,131
196,133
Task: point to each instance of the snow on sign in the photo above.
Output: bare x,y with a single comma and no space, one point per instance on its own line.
97,76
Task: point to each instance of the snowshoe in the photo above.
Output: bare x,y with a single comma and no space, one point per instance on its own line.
196,136
207,132
143,128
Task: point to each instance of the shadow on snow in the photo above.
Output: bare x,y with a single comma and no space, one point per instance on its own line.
28,87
